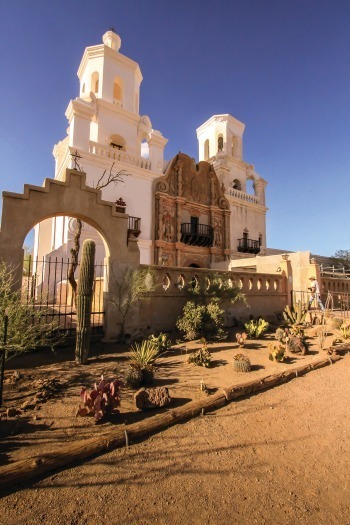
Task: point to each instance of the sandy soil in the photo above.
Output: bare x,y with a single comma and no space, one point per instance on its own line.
280,457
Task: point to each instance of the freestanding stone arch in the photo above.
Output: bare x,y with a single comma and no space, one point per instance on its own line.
21,212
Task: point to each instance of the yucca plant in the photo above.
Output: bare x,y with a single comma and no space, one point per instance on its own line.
255,329
144,353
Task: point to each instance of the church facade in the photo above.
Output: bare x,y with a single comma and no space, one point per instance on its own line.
185,213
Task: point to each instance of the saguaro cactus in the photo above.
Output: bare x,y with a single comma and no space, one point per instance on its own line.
84,301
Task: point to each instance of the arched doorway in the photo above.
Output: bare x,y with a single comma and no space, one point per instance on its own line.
71,198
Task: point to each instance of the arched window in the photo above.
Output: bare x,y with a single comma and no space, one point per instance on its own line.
144,149
250,187
83,88
118,90
236,184
206,150
116,141
220,143
95,82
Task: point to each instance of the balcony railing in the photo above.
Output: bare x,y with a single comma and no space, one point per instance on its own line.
197,235
248,246
117,154
134,226
241,195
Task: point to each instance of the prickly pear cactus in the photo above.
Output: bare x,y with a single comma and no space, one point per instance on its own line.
241,363
84,301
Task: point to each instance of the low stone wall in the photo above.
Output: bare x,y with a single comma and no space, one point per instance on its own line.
265,293
335,284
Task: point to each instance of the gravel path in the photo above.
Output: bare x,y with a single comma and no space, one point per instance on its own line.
280,457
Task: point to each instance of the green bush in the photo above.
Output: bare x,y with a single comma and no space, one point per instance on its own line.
202,321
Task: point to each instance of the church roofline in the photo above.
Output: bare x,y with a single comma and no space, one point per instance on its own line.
220,118
102,50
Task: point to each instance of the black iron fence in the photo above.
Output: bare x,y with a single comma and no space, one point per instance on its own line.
46,287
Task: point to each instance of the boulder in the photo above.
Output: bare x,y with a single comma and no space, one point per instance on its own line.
296,345
146,398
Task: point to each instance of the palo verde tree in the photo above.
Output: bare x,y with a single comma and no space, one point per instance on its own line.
341,258
129,290
23,326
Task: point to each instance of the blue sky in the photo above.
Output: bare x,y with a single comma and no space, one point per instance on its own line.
280,66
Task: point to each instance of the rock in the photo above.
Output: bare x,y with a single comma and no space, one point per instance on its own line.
12,412
146,398
296,345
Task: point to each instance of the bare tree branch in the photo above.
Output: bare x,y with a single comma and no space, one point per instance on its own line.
112,178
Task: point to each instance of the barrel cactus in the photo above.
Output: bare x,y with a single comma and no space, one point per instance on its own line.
241,363
133,377
84,301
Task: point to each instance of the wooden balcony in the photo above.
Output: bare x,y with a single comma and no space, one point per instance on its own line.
248,246
197,235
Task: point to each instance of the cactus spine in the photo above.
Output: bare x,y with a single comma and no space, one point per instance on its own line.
84,301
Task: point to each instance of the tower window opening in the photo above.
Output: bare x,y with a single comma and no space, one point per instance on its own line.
206,150
118,90
220,143
95,82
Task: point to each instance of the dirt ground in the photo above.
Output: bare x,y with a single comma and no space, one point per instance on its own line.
279,457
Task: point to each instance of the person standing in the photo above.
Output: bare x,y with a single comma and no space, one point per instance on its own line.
315,293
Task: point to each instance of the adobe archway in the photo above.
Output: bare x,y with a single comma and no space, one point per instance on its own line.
21,212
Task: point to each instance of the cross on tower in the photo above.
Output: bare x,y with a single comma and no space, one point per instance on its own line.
75,156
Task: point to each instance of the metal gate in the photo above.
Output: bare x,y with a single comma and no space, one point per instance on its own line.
45,285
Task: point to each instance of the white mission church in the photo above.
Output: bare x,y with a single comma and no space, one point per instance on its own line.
185,213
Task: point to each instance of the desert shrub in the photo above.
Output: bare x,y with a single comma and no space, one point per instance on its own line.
202,357
161,342
255,329
202,321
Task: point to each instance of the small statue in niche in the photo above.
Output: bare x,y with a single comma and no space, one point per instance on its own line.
168,228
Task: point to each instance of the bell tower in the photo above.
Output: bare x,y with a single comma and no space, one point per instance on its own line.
106,114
